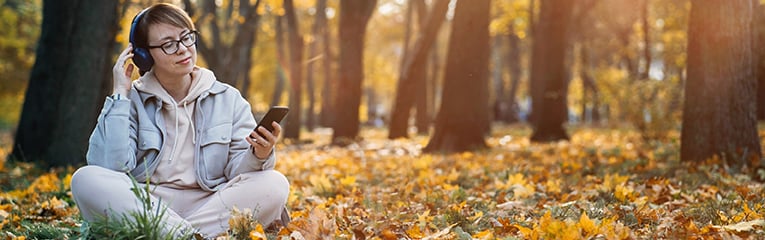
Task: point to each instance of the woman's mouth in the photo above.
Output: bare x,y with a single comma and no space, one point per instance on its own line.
184,61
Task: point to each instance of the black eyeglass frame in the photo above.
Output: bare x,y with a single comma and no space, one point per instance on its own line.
175,43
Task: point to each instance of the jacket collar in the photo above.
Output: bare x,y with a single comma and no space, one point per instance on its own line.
217,88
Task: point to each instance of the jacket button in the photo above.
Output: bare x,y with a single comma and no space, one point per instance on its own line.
143,144
223,137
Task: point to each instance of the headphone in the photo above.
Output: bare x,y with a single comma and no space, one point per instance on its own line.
141,56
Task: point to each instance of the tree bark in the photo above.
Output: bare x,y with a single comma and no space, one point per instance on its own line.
281,58
293,121
327,94
549,84
422,117
313,55
646,40
464,115
719,116
759,26
589,88
227,61
514,64
412,75
354,16
499,106
68,83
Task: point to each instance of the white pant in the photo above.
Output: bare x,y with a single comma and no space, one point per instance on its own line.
102,192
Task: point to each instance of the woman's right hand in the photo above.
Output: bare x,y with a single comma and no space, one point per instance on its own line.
122,73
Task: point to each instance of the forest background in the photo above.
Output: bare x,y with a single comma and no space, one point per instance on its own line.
646,117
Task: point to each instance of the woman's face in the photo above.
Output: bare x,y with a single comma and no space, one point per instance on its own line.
179,63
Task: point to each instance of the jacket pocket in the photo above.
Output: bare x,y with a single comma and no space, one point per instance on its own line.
214,150
149,139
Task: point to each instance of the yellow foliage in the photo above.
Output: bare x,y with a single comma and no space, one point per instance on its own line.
258,233
588,227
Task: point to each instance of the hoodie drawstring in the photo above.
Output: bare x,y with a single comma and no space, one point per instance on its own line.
191,122
175,141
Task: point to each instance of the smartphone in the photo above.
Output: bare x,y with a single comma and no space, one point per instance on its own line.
275,114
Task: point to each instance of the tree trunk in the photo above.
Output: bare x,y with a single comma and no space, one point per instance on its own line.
327,94
225,60
354,16
293,121
68,83
408,23
244,64
719,116
759,26
588,84
464,115
422,116
313,55
281,58
646,40
549,83
514,65
412,75
499,106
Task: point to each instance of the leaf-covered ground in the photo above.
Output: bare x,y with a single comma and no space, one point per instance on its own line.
602,184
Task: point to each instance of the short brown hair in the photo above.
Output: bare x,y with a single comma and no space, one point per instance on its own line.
160,13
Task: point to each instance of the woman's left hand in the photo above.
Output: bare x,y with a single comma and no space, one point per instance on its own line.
262,146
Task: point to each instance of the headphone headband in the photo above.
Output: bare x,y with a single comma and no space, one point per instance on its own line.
141,56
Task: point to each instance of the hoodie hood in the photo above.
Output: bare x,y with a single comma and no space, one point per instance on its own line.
202,80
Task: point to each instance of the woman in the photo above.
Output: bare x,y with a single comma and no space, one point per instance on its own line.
181,131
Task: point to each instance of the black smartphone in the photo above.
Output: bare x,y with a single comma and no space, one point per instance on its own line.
275,114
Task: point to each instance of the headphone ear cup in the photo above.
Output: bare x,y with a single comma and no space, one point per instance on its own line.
142,58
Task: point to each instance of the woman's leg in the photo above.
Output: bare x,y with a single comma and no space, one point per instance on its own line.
263,192
100,192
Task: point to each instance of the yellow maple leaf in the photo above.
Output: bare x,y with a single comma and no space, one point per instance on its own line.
348,181
320,181
587,226
521,187
528,233
486,234
624,193
475,217
610,181
424,218
414,232
258,233
553,186
46,183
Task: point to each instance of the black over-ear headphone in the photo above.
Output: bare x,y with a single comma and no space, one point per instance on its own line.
141,56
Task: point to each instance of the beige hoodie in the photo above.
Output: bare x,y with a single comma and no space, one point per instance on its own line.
176,166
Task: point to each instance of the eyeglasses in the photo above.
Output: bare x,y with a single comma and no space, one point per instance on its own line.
171,47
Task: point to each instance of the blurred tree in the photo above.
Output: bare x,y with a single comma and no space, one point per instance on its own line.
329,83
19,30
69,79
422,118
281,58
231,36
464,117
719,116
759,37
647,43
354,16
549,83
293,122
319,26
413,72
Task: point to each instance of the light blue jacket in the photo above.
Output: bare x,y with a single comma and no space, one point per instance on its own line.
129,133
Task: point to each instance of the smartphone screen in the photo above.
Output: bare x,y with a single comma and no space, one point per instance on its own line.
275,114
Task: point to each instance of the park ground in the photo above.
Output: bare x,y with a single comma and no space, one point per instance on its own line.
605,183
